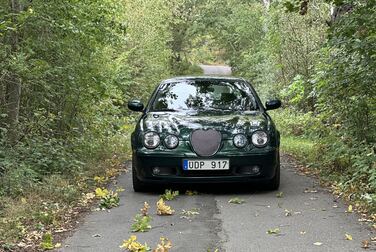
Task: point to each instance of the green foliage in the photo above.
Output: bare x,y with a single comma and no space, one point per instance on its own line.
169,194
47,242
345,162
109,201
78,63
240,33
291,122
141,223
303,149
323,74
345,79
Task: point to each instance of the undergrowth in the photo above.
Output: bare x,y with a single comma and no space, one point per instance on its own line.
347,165
45,184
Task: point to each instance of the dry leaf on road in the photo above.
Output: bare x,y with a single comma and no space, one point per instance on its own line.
348,237
145,209
163,209
163,246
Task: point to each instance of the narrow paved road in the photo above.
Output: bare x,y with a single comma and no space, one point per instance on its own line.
315,217
216,70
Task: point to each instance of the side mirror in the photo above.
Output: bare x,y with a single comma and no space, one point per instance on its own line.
135,105
273,104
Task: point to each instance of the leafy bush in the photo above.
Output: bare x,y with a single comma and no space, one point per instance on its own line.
292,122
347,162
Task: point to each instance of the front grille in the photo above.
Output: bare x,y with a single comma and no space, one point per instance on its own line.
206,142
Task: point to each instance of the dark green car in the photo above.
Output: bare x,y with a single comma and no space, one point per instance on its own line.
205,130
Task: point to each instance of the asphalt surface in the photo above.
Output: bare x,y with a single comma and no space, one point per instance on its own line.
315,216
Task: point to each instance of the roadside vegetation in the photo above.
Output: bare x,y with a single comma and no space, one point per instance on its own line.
319,58
67,69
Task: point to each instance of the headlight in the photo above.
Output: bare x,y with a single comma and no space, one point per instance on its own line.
171,141
260,138
151,140
240,140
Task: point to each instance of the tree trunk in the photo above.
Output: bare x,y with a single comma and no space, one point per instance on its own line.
13,82
337,11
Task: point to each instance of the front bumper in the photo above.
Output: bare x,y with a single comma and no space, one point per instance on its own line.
146,161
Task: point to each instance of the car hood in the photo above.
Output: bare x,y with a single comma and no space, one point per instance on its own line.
182,124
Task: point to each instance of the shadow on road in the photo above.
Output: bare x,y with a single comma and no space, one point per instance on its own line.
216,189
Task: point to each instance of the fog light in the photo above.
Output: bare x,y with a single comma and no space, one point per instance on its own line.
255,169
249,170
156,170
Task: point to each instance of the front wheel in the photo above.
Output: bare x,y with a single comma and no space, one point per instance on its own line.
273,184
138,186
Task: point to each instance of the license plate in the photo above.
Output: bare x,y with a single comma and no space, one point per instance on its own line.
200,165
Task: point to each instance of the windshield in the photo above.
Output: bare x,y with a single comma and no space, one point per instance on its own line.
204,95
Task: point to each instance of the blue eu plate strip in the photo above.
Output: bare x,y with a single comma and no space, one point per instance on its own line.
185,164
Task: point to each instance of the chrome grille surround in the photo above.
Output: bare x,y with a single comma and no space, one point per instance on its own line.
206,142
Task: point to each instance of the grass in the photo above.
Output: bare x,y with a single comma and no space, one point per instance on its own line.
304,149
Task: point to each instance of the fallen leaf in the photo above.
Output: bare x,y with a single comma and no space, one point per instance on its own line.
236,200
365,244
120,189
279,195
61,230
163,209
190,213
21,244
141,223
100,179
350,209
145,209
310,190
133,245
287,213
274,231
191,193
101,193
348,237
163,246
23,200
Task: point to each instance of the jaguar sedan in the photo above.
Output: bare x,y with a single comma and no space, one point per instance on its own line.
205,130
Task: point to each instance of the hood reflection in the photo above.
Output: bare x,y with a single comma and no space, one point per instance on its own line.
182,123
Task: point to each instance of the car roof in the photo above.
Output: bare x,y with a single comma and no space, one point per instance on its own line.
216,78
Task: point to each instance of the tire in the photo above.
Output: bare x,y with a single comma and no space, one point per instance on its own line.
273,184
138,186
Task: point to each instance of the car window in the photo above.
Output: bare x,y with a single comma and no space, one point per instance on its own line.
205,95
